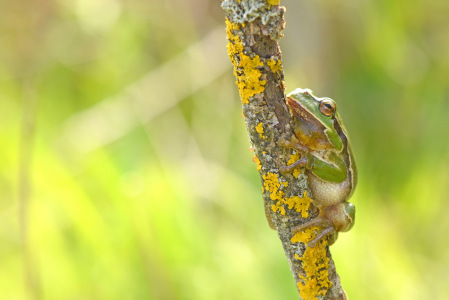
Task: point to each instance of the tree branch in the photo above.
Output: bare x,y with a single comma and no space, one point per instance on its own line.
253,29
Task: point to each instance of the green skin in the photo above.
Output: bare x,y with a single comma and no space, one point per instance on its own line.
327,158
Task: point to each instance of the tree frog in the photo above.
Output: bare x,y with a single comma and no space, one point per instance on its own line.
321,139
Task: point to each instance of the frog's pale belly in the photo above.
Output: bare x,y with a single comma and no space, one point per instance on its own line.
326,193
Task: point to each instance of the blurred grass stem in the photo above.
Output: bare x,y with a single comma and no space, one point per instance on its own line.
148,97
28,127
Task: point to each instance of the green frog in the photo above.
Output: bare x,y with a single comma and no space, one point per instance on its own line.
326,156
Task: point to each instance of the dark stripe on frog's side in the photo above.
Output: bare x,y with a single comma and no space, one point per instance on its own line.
346,148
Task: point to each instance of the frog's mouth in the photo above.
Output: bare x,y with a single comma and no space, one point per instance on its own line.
295,107
302,112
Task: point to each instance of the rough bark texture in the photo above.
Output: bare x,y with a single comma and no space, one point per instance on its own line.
253,29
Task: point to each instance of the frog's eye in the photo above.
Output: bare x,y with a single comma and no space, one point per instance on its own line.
327,107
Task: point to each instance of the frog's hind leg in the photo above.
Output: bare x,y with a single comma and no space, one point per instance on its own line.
321,235
300,163
319,221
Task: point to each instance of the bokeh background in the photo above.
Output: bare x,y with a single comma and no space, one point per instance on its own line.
125,169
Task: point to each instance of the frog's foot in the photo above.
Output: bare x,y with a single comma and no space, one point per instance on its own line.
287,143
322,234
302,162
319,221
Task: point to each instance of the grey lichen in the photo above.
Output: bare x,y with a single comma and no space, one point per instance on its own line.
250,10
302,182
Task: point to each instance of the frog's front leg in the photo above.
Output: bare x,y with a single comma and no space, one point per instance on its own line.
300,163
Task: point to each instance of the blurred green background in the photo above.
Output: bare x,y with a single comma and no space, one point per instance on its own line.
125,171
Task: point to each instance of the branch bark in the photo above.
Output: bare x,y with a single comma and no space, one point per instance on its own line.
253,29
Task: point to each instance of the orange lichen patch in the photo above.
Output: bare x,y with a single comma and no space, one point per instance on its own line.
315,263
275,65
259,129
246,68
301,205
259,166
293,158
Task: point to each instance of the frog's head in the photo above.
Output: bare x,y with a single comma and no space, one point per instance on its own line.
316,119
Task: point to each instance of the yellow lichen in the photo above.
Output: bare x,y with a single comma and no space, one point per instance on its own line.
293,158
248,78
259,166
272,2
259,129
275,65
271,184
315,282
300,204
246,69
234,45
315,263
